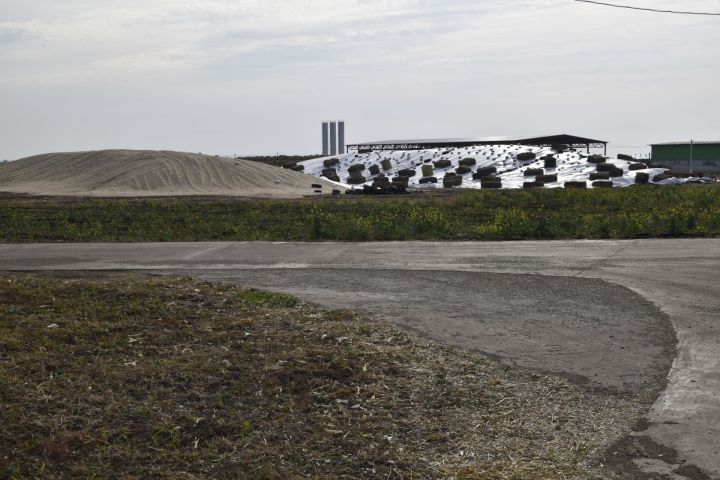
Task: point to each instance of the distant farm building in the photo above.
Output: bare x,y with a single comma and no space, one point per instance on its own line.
569,141
688,156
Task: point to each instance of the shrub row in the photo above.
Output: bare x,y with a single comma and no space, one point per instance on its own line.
643,211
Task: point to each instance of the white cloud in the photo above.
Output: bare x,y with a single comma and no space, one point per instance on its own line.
436,67
121,38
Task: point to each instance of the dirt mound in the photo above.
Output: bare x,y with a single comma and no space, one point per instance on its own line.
151,173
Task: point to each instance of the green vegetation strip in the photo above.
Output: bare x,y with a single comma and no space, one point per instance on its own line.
545,214
174,378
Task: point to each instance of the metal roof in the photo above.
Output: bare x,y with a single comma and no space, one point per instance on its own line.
560,139
444,140
685,143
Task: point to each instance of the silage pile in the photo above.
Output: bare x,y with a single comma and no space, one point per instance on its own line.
496,166
130,173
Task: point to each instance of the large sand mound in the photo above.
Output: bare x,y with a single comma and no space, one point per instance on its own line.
151,173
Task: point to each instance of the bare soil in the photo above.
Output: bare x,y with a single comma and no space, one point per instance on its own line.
140,173
130,377
595,333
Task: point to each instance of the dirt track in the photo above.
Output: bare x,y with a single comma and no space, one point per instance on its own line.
598,334
481,284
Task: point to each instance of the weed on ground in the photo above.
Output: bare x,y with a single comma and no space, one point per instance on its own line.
637,212
176,378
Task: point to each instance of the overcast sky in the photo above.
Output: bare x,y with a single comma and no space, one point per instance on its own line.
258,76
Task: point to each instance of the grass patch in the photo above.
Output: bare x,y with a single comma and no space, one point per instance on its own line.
174,378
640,212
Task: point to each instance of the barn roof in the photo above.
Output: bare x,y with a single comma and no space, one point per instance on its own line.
562,139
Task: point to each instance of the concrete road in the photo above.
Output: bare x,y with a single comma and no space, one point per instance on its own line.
594,311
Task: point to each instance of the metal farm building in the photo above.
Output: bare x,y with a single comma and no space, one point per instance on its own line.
688,156
569,141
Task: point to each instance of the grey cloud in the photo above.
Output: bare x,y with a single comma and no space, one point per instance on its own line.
205,76
13,35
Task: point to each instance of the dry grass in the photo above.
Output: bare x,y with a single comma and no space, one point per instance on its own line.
175,378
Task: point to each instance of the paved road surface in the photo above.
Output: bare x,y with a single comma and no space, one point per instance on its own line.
593,311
